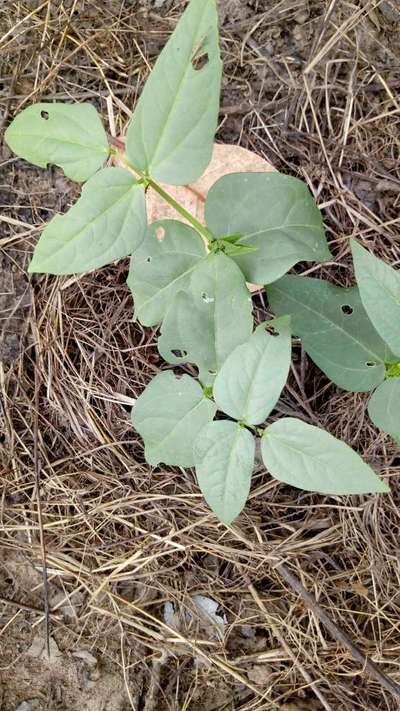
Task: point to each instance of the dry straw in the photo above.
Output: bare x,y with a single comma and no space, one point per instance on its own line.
313,88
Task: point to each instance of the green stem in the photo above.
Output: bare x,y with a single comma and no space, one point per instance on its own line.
181,210
203,231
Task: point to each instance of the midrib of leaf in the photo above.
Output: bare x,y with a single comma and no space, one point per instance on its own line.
174,147
316,459
240,208
174,281
230,459
99,216
282,227
259,365
304,455
93,146
177,94
342,367
80,128
217,330
179,422
339,328
391,295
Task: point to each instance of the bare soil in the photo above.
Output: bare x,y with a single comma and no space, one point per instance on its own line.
313,87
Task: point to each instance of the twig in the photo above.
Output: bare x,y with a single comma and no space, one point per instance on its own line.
306,676
39,509
153,692
336,632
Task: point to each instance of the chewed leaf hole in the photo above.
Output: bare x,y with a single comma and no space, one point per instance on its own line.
271,330
347,309
160,233
200,60
370,364
45,115
206,298
178,353
148,259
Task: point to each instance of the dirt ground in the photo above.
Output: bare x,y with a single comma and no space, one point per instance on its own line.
312,86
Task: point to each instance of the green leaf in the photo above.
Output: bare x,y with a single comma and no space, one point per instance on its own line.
207,321
169,414
107,222
68,135
384,407
335,330
251,380
275,214
224,457
172,130
379,286
162,266
311,459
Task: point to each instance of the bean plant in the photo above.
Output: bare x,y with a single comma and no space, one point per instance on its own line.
190,280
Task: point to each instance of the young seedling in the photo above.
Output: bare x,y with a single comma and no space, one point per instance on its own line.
189,278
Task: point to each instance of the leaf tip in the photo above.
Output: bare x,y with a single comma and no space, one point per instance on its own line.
383,487
355,246
326,254
32,269
226,520
151,459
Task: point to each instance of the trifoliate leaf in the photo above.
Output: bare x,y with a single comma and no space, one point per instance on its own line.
171,133
379,286
224,457
169,415
275,214
162,266
384,407
335,330
311,459
68,135
205,323
250,382
107,222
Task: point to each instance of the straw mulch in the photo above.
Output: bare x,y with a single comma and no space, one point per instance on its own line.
314,88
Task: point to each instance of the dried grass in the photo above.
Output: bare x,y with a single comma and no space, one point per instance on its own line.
121,540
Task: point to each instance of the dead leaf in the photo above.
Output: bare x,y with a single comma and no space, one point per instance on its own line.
171,618
207,610
225,159
359,588
206,616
